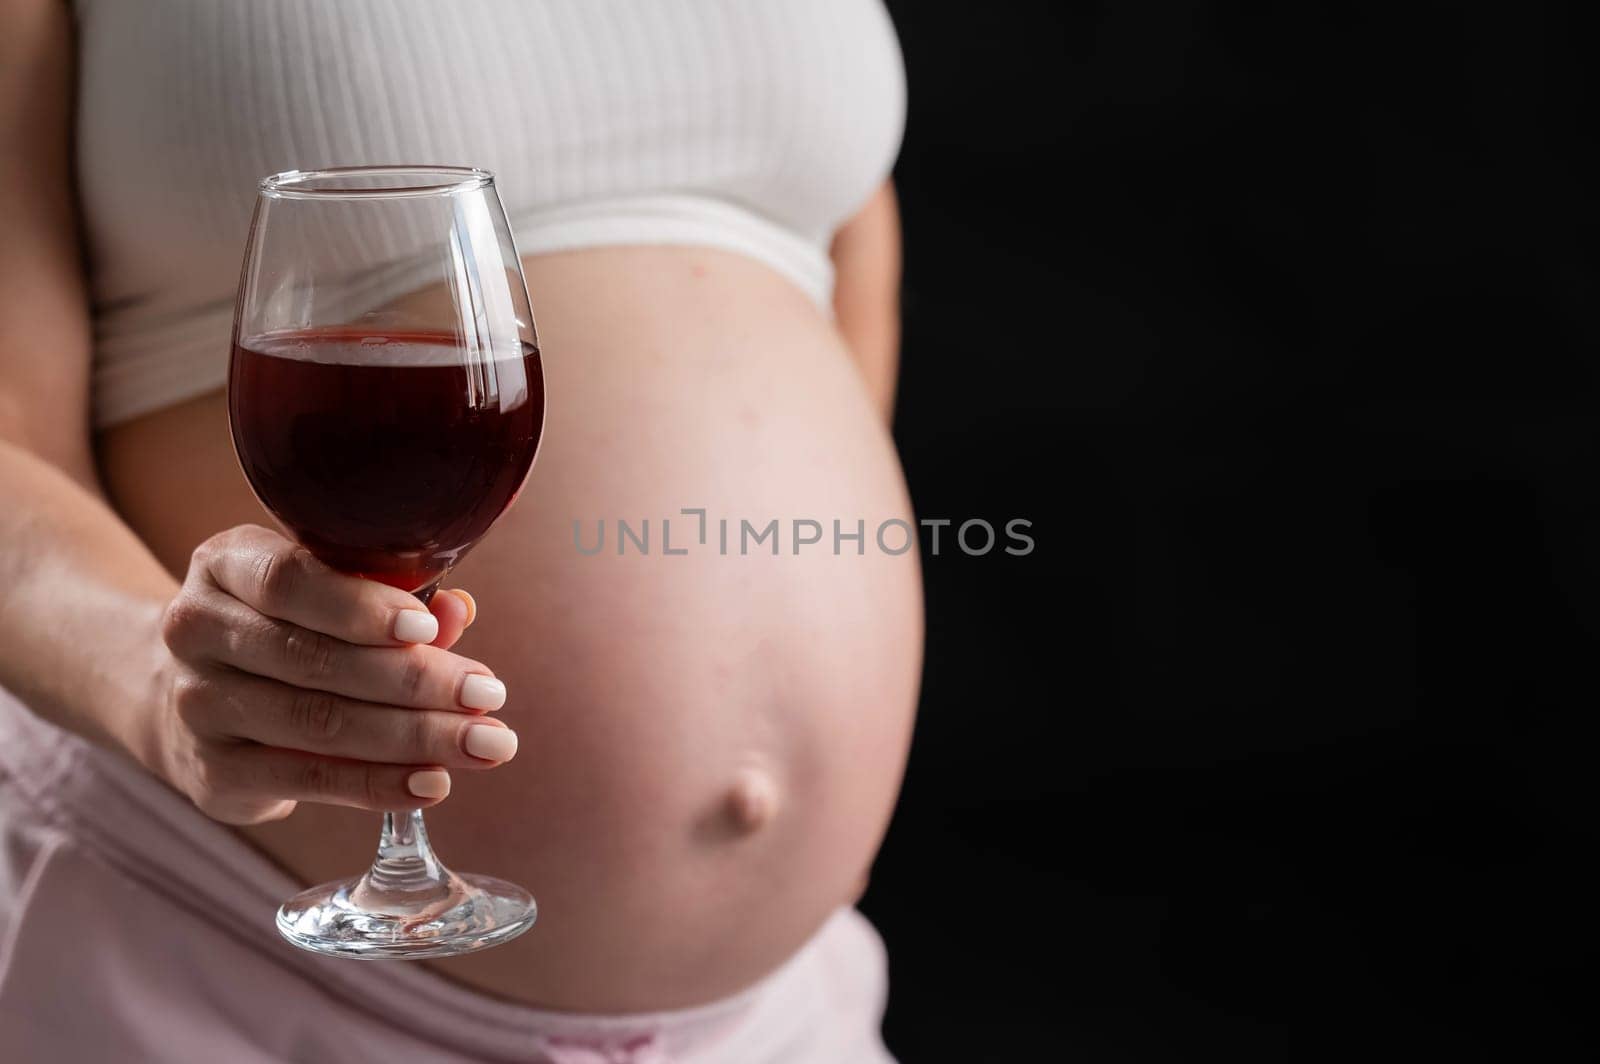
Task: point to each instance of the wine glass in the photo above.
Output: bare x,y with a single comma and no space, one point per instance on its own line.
386,401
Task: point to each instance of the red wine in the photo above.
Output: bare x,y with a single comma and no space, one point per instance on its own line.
387,454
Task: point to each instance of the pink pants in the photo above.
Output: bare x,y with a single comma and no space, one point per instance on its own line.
134,929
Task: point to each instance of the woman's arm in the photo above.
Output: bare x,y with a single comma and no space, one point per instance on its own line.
71,575
866,294
265,678
44,323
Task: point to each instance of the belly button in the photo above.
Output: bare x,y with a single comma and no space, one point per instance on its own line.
753,800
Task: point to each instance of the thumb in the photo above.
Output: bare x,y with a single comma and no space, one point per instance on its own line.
455,610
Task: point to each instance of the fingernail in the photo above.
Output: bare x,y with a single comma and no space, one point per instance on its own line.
482,692
429,783
416,626
470,602
491,743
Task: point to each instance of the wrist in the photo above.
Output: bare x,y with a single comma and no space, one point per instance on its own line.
132,699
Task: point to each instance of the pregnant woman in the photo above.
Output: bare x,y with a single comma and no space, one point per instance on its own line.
198,718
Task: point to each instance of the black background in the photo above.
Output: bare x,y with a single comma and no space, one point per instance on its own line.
1278,320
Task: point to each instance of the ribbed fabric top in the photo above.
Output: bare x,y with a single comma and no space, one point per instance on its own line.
756,126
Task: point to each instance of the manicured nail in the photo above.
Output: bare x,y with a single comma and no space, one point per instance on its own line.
491,743
467,600
416,626
429,783
482,692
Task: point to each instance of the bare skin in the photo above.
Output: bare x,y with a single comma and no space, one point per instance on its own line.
709,745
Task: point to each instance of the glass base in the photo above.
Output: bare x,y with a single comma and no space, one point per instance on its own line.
475,912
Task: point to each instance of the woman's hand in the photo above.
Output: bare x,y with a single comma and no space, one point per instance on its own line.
289,682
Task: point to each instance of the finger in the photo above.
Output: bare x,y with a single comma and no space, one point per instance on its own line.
296,776
274,576
246,811
471,603
316,722
453,617
416,677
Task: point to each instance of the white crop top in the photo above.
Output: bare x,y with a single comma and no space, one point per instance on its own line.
756,126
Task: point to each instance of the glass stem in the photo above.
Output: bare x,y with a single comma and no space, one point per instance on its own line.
405,878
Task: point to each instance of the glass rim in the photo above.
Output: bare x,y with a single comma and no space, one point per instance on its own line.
334,182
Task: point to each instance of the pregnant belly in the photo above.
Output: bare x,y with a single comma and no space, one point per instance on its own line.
711,741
